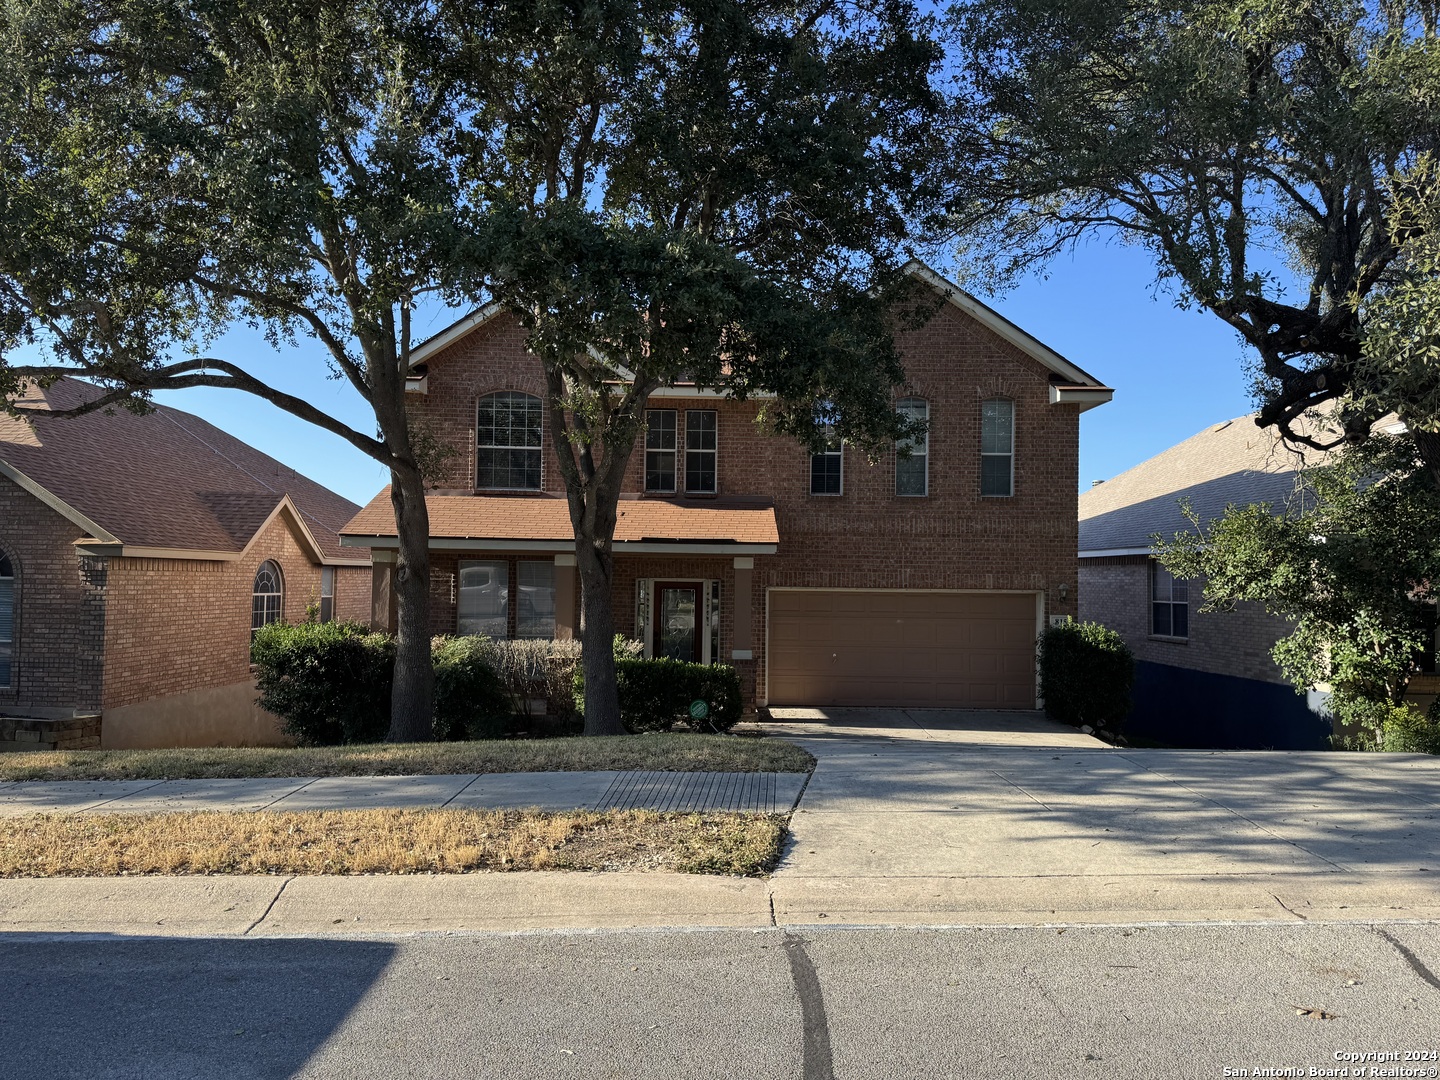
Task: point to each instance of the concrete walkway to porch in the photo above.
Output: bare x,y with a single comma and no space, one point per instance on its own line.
945,817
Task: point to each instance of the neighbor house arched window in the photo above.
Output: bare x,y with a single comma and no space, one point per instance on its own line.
508,432
7,619
267,601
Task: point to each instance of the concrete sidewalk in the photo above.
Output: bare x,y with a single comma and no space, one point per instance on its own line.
910,818
769,793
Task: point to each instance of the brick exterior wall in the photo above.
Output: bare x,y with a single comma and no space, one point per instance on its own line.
178,625
866,538
93,633
59,609
1115,591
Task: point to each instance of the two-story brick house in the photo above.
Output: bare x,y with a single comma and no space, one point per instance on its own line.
825,579
137,554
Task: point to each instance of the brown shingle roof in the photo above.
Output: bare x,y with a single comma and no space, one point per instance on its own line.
166,479
542,518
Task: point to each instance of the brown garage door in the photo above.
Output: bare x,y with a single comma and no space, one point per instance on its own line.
960,650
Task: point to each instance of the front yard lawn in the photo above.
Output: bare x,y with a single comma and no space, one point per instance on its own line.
663,752
386,842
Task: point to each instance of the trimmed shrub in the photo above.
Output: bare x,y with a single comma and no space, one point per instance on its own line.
1086,674
655,695
471,701
1407,731
328,682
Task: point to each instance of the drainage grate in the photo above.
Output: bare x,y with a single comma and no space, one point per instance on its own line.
697,791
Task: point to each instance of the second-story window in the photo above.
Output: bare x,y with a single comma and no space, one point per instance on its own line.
827,468
508,433
912,471
660,450
997,447
700,450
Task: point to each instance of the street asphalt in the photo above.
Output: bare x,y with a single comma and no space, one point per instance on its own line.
1133,1003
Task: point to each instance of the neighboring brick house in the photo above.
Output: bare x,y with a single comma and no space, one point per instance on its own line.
1204,680
824,579
136,554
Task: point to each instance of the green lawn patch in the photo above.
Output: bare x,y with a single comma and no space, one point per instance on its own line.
662,752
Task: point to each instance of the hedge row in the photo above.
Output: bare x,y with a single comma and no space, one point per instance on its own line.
330,684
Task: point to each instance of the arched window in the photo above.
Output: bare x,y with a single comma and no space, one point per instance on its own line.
508,429
268,598
7,618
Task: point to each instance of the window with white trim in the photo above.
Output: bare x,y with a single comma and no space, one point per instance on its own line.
660,450
483,605
827,468
509,429
327,593
7,619
1169,603
267,598
701,450
997,447
912,456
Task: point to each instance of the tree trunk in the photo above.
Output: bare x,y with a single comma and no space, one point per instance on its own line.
1428,445
412,694
596,564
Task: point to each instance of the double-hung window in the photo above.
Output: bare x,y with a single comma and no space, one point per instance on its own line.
508,434
700,450
1169,603
912,456
660,450
7,618
997,447
827,470
327,593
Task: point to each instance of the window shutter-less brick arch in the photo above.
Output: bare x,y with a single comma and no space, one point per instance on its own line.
268,596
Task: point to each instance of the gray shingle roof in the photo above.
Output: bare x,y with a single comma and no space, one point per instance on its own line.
1231,462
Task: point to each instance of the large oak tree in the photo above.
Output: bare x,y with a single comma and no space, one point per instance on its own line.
707,190
1254,147
717,188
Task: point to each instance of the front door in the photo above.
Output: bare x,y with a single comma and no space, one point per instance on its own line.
677,620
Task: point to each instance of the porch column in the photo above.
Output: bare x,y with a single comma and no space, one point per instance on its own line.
741,647
382,601
564,597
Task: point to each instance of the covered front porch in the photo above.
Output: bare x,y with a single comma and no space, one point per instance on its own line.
505,566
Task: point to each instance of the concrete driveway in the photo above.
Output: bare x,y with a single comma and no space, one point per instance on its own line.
951,817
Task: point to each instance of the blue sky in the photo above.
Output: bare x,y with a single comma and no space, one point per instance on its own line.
1173,371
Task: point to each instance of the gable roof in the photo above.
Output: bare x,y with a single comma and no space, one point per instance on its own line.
1234,461
1073,376
163,481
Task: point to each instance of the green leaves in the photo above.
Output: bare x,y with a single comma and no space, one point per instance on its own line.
1253,147
1347,562
714,189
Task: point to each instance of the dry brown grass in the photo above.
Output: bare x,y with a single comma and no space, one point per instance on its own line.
386,842
669,751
